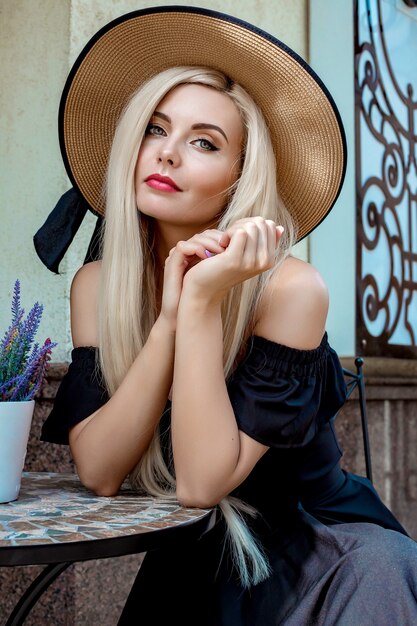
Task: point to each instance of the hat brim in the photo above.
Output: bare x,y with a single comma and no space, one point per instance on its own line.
306,129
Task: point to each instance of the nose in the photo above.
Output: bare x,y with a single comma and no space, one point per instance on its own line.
168,154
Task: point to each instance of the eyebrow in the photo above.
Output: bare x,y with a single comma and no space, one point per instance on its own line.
212,126
198,126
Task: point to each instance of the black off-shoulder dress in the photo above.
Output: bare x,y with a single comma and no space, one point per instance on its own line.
339,557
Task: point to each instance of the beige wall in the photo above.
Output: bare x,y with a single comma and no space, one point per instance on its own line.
34,40
39,42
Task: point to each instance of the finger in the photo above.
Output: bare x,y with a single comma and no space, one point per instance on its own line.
248,252
237,245
262,249
251,250
190,248
280,231
242,223
232,228
272,237
210,241
213,245
224,239
200,247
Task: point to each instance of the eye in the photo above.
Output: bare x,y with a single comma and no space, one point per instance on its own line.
154,129
205,144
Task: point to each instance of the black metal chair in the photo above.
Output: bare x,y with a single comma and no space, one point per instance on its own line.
354,381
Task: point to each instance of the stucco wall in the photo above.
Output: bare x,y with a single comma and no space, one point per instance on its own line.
34,43
39,41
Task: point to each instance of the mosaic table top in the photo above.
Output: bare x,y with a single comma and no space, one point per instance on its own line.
54,508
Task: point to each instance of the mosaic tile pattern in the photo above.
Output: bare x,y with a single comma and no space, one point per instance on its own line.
54,508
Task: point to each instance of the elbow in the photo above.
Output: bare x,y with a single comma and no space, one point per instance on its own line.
95,476
195,498
98,485
104,491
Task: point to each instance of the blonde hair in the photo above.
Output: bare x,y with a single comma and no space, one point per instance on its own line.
128,272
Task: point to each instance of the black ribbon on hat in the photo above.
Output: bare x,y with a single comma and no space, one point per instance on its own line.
54,237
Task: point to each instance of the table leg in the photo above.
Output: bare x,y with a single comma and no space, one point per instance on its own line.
34,592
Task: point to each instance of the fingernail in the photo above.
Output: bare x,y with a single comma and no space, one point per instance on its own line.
208,253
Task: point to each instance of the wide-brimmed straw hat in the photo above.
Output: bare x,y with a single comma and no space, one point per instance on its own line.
306,129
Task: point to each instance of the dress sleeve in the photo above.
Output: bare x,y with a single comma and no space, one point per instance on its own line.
281,395
80,393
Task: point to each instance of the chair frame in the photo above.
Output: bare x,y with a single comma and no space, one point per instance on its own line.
357,380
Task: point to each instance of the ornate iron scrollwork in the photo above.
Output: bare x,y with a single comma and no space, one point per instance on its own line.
386,186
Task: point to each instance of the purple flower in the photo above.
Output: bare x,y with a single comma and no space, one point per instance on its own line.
23,364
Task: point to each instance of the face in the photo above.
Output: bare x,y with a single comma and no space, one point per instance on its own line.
189,157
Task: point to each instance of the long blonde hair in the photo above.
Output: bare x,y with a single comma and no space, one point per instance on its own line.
128,303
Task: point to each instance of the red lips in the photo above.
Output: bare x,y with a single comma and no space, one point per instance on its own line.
163,183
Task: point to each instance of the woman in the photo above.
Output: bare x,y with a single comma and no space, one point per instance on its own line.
198,313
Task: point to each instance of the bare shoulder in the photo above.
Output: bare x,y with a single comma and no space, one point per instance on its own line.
84,301
294,306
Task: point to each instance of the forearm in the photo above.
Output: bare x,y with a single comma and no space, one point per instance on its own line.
205,436
114,439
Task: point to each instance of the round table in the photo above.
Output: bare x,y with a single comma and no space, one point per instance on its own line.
56,521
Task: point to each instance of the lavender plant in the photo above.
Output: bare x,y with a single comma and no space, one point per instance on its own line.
23,363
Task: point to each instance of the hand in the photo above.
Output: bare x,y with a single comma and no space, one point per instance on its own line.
185,255
243,222
202,246
250,250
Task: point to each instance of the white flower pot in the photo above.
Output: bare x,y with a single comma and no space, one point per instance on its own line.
15,422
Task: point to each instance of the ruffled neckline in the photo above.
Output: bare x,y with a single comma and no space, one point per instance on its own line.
286,353
268,350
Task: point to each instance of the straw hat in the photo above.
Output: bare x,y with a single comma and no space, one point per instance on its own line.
306,130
